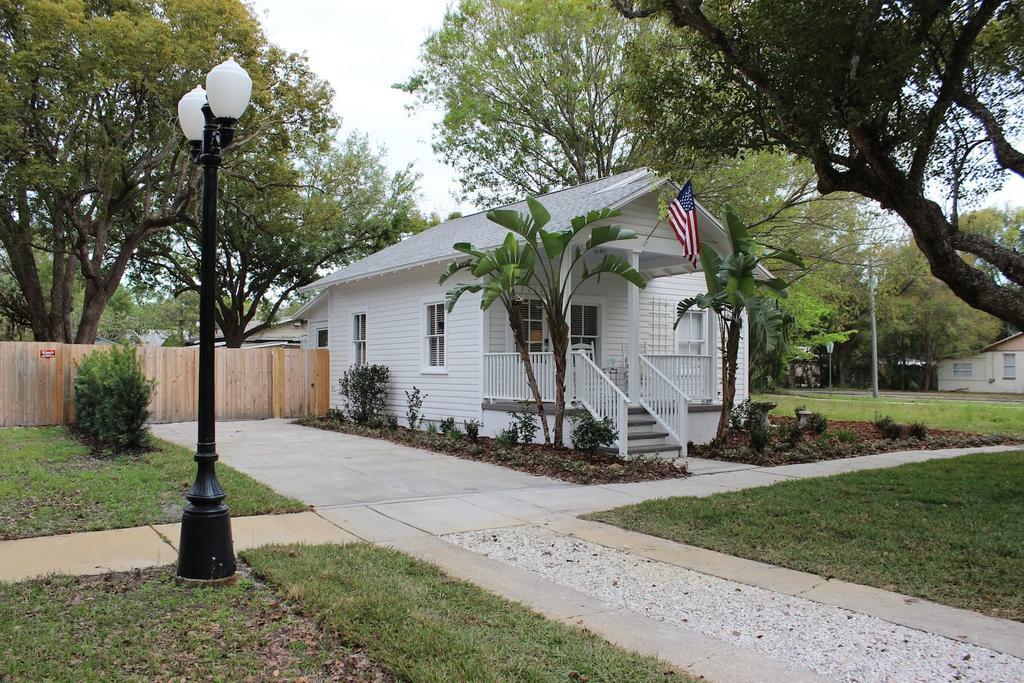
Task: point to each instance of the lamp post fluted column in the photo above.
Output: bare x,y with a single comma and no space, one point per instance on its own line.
205,552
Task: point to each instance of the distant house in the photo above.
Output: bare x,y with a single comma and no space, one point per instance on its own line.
289,333
993,369
658,384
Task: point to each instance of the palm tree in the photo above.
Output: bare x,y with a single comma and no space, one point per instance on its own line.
543,265
733,290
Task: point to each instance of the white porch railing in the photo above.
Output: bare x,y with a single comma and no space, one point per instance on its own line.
665,401
505,376
692,374
600,396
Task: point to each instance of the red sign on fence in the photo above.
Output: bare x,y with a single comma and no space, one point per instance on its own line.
47,353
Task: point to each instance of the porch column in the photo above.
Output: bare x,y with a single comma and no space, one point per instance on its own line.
633,359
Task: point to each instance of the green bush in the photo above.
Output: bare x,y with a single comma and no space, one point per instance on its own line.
472,429
112,398
844,436
507,437
589,433
887,427
448,428
917,430
365,390
817,423
759,435
414,407
524,424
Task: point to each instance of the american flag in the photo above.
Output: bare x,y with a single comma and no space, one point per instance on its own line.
682,216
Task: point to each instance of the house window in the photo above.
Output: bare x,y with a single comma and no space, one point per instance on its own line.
691,334
585,327
321,338
531,312
435,336
1009,366
963,370
359,339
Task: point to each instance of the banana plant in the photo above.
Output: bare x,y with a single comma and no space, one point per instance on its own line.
733,290
549,266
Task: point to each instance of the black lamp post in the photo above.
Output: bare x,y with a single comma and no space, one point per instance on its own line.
205,552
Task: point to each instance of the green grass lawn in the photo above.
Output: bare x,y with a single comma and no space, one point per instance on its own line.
426,626
324,611
50,484
993,417
141,627
951,531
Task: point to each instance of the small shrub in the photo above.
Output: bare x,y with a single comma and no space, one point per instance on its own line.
882,422
589,433
447,427
472,429
739,415
414,407
335,415
508,437
917,430
799,409
759,435
524,422
431,430
844,436
365,390
112,398
892,431
791,433
392,421
817,423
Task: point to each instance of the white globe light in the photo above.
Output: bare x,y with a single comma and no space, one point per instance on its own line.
228,88
190,113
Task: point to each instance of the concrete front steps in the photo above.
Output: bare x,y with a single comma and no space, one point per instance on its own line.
646,438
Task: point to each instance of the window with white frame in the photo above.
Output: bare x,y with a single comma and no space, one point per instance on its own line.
963,370
531,313
1009,366
691,334
359,339
584,327
434,347
321,338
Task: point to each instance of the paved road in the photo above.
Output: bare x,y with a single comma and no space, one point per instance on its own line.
955,397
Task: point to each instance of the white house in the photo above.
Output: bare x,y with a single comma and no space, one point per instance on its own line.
993,369
659,386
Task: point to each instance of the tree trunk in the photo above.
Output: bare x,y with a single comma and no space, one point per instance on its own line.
559,334
730,358
515,322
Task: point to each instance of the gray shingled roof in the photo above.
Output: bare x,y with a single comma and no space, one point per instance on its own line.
436,243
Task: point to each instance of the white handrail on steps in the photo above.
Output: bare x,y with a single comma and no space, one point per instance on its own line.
665,401
693,374
601,397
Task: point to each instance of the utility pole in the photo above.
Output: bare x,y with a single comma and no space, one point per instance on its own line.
874,328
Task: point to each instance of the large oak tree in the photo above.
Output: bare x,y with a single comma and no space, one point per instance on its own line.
531,94
915,105
284,220
93,163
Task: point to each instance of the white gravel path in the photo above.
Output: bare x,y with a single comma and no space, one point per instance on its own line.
835,642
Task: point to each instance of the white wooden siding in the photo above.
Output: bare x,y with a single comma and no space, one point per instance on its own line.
394,307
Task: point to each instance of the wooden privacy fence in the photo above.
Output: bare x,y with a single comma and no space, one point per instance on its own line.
37,382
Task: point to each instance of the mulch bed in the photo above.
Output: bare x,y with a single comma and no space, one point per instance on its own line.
842,439
547,461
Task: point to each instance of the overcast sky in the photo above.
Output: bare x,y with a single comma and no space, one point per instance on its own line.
362,48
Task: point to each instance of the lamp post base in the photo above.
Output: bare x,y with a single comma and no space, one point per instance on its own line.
205,552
